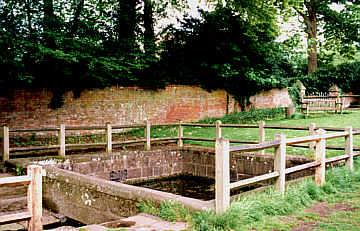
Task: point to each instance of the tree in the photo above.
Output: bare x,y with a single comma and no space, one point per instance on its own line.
49,23
225,50
149,34
79,6
341,26
316,12
153,10
126,26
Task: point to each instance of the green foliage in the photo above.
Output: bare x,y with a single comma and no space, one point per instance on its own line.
19,170
148,207
251,116
75,46
227,49
167,210
339,20
67,45
173,211
345,75
294,92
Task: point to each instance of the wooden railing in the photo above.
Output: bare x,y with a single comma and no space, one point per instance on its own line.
223,151
34,198
109,143
316,141
5,132
322,102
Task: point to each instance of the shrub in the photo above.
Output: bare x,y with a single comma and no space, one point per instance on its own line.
252,116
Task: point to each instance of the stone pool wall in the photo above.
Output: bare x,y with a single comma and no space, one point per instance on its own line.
79,187
201,162
173,161
138,164
92,200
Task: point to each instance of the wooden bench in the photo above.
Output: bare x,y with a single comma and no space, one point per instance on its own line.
321,103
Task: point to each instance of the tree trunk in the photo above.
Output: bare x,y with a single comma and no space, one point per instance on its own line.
75,22
149,34
126,26
311,31
49,23
29,19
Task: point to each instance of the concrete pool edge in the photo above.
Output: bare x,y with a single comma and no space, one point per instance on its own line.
64,190
91,200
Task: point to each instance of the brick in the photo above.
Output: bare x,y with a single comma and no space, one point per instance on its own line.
120,105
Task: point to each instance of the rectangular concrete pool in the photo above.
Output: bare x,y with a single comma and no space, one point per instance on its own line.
98,188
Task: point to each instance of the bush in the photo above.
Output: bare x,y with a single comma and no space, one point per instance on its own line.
252,116
345,75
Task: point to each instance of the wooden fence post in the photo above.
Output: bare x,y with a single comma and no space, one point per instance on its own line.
180,135
218,129
349,148
108,138
62,140
312,131
262,134
337,104
222,175
307,109
148,135
280,163
34,197
5,143
2,143
320,157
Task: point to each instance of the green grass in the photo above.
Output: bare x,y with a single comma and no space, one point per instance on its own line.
271,118
167,210
271,211
345,191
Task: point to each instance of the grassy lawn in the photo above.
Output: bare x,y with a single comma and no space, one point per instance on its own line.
336,211
305,206
251,134
271,116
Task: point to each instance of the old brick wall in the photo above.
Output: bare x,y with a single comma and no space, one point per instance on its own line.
118,105
271,99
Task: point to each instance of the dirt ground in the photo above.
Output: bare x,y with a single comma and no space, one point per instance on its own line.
322,209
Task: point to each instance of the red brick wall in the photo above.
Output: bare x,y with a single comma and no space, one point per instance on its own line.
271,99
117,105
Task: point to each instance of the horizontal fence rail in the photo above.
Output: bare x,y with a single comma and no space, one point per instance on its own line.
280,143
315,142
108,130
33,214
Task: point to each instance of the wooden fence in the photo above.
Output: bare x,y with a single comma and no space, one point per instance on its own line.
34,197
61,147
316,141
223,151
322,103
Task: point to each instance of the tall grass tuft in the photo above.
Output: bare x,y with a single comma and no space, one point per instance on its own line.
243,213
